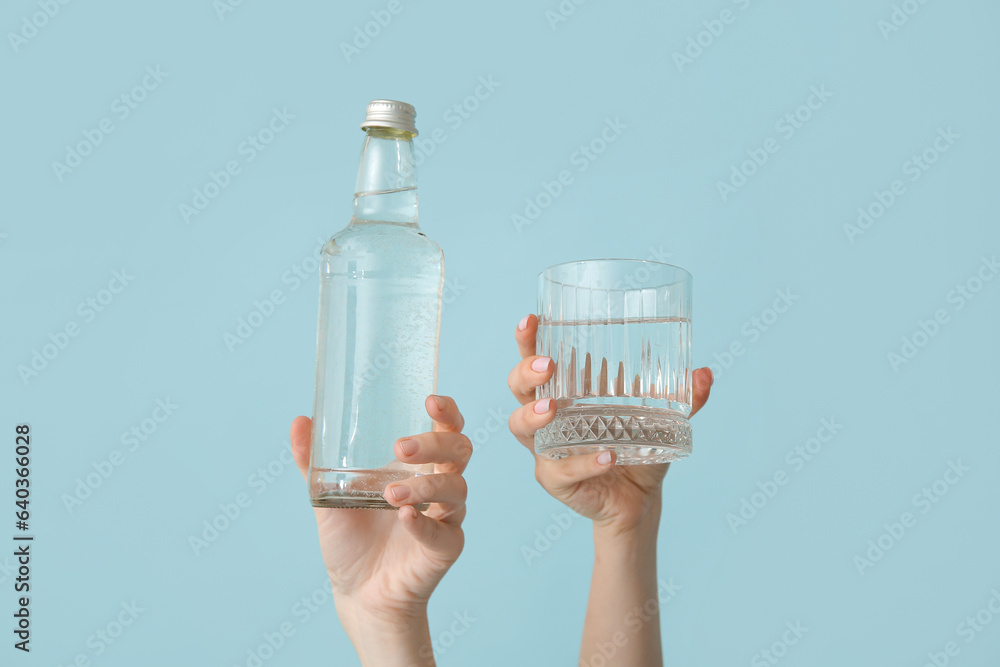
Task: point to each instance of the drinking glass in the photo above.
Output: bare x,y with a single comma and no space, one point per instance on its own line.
619,332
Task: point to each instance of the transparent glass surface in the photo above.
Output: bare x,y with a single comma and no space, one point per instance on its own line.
377,340
619,332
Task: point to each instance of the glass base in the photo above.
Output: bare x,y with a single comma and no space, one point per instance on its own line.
636,435
355,488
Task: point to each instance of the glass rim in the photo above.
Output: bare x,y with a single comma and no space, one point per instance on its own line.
686,275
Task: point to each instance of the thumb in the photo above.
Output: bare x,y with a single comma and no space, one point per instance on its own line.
702,379
300,436
562,475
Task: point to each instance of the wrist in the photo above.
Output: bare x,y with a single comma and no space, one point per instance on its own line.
387,636
391,617
636,530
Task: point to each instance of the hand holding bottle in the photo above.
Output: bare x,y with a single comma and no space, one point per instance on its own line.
384,565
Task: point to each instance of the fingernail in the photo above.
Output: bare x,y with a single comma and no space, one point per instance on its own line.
604,458
409,446
542,406
399,492
540,364
711,377
440,402
523,324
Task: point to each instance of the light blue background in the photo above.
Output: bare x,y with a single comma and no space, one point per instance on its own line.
653,189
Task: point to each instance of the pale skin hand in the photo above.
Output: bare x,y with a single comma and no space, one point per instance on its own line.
384,565
624,503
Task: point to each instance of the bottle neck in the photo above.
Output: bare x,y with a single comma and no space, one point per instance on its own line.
387,179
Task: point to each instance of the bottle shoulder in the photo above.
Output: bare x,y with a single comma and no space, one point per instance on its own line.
375,237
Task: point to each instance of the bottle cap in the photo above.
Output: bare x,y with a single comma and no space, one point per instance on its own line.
390,113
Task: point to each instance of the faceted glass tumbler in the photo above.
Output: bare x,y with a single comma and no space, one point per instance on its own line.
619,332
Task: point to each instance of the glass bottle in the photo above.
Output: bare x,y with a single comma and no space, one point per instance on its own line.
379,322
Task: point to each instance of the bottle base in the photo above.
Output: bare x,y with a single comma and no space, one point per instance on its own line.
636,435
356,488
359,502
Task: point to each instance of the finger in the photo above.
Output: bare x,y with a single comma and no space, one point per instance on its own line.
444,411
300,434
703,379
565,473
527,419
451,451
530,372
448,490
525,335
439,537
